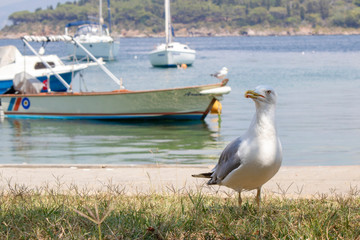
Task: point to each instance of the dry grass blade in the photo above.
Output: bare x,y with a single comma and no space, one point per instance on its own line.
95,218
84,215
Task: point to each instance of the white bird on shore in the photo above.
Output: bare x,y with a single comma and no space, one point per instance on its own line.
251,160
220,74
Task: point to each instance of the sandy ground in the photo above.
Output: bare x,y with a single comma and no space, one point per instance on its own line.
289,181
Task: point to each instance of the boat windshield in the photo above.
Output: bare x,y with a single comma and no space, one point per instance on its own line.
40,65
90,30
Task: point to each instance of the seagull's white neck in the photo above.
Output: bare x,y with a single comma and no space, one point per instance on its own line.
263,122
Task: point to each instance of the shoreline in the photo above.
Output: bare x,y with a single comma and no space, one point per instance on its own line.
290,181
204,32
116,37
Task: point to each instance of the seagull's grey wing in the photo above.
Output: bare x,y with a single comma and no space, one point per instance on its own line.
228,161
215,74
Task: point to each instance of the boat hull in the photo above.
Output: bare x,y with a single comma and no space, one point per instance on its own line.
171,58
106,50
178,103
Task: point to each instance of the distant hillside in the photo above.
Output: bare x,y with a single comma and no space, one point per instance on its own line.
198,17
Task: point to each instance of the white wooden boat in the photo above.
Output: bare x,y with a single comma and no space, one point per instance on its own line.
171,54
178,103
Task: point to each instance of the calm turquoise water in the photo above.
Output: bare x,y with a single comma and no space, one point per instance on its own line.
318,116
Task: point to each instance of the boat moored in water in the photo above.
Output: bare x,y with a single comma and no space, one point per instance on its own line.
12,62
95,37
193,102
171,54
177,103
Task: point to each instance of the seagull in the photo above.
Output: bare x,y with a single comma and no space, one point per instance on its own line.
251,160
220,74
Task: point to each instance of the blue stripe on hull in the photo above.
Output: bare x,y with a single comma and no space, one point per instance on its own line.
121,117
11,104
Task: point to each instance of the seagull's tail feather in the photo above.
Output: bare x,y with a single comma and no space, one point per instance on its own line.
203,175
212,181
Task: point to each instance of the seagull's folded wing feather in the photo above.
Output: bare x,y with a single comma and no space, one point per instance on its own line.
228,161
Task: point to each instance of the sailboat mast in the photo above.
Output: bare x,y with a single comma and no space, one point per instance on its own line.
101,20
109,18
168,22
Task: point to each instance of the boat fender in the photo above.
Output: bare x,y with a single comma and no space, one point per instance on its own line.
216,108
220,90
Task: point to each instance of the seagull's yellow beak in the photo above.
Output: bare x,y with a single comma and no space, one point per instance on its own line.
252,94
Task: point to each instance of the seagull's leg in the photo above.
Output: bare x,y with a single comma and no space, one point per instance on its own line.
239,199
258,196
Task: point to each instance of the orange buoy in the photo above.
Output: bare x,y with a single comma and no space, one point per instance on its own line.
183,66
216,108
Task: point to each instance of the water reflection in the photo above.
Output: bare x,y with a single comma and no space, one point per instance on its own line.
97,142
317,113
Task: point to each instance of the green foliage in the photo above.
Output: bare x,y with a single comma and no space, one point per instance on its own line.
149,15
258,15
279,13
21,17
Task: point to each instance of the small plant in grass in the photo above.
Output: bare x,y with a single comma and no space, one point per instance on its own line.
95,217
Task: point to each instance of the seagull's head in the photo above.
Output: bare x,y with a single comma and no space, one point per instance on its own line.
262,95
224,69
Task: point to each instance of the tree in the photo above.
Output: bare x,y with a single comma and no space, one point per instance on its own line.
352,19
278,12
22,16
258,15
288,10
324,9
302,13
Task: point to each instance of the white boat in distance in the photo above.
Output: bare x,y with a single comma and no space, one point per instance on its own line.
95,37
13,62
176,103
171,54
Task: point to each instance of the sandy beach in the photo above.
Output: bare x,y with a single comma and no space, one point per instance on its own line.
289,181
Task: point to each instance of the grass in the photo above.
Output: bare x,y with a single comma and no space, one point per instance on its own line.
45,213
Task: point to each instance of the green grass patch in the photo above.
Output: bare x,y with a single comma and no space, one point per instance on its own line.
48,214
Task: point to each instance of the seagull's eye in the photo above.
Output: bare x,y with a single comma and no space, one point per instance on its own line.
268,92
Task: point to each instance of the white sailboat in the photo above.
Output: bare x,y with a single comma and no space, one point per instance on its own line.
95,37
171,54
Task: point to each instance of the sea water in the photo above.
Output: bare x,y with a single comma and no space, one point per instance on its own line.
317,79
